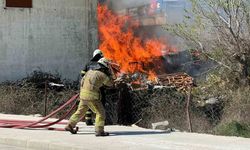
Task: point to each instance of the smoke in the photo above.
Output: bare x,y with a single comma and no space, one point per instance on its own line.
173,8
122,4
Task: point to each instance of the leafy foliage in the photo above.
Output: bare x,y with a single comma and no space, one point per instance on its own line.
220,30
234,128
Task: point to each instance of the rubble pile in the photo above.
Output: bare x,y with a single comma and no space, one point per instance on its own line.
139,81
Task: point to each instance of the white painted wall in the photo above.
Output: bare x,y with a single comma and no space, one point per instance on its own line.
54,36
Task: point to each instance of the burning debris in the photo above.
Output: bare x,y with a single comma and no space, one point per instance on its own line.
180,81
138,81
139,60
119,43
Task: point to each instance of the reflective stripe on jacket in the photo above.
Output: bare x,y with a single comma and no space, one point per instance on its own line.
91,83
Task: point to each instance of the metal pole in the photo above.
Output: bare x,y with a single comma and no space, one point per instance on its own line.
188,110
45,97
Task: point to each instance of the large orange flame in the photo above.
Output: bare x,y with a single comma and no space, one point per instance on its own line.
119,43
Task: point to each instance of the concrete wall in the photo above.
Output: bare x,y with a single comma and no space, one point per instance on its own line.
55,36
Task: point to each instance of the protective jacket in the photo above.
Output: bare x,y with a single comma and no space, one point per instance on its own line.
91,84
92,65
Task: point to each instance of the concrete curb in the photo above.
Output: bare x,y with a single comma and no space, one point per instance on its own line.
14,142
122,138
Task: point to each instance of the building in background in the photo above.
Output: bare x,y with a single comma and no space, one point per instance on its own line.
56,36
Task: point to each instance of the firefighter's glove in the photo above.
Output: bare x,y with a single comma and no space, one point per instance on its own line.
83,73
118,80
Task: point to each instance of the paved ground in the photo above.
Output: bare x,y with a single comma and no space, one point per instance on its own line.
6,147
122,138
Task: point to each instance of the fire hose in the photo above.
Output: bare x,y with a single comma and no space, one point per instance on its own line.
21,124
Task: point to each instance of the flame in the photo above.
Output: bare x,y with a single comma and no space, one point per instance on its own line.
119,43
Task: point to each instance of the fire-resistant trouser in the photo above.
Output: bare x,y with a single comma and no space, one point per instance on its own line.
97,107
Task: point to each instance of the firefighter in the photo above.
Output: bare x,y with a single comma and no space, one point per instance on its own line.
92,65
90,97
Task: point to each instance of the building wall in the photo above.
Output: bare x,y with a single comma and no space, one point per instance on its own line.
56,36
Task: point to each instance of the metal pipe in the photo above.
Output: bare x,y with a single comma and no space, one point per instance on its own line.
188,110
45,97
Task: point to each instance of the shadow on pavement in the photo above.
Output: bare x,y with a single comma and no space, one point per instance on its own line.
85,133
119,133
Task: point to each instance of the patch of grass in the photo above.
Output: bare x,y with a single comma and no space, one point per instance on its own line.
234,128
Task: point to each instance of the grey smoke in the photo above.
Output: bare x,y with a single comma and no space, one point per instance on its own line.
122,4
173,8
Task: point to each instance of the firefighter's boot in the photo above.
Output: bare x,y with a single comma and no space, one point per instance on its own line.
71,129
102,134
100,131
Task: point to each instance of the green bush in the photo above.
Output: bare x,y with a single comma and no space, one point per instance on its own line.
234,128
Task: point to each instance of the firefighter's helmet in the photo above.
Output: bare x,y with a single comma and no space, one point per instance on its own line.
104,62
96,52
